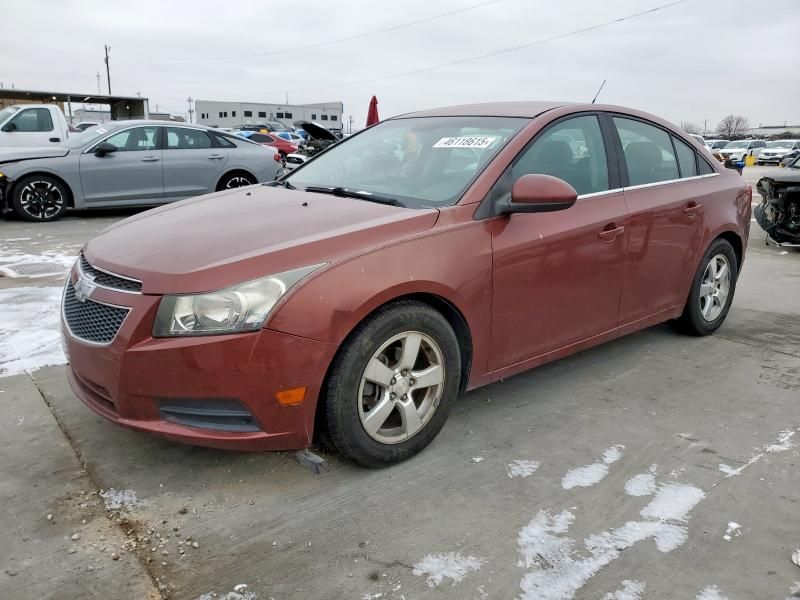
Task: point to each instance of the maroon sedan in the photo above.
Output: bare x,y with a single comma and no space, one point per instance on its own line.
436,252
270,139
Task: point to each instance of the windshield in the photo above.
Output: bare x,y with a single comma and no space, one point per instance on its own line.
742,144
424,162
7,112
77,140
779,144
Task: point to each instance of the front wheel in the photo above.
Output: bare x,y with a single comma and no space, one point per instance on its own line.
712,290
392,384
40,198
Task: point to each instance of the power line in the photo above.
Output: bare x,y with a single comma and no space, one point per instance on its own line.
321,44
496,52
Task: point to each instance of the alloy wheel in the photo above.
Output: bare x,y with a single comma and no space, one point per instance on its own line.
401,387
237,181
715,287
41,199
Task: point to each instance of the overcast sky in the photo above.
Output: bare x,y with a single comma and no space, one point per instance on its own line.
696,61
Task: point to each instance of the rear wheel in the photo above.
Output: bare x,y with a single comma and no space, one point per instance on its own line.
392,384
234,180
40,198
712,290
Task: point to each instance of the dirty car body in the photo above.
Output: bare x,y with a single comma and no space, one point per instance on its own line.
779,211
435,252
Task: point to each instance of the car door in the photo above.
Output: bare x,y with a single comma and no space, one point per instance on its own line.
666,216
557,277
192,163
132,174
32,127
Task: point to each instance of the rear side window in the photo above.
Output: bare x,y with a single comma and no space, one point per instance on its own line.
260,138
221,141
703,168
33,119
571,150
648,152
179,138
686,158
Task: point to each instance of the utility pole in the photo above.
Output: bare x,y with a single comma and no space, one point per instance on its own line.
191,110
287,97
98,83
108,69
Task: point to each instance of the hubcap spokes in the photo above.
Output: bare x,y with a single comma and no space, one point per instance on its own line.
401,387
715,287
235,182
41,199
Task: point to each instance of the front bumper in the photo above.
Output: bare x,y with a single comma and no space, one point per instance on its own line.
770,159
136,381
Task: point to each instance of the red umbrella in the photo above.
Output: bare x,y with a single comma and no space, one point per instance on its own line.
372,114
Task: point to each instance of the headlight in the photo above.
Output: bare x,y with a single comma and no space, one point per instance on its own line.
242,307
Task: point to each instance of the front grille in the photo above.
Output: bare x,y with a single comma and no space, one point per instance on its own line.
294,160
92,321
108,280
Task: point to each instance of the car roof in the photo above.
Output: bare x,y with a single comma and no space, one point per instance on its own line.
490,109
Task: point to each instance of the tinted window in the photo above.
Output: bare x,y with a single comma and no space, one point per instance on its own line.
260,138
703,168
179,138
33,119
571,150
648,152
221,141
686,159
132,140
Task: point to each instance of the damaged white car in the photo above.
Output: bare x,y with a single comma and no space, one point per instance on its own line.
779,212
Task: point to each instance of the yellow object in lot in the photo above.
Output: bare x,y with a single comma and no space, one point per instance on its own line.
749,161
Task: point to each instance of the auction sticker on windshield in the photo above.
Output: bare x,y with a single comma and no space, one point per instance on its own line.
467,141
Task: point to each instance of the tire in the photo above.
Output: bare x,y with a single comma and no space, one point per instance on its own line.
704,313
40,198
234,180
383,342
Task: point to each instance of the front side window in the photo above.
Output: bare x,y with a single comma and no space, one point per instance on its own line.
423,162
648,152
686,158
179,138
571,150
136,139
33,119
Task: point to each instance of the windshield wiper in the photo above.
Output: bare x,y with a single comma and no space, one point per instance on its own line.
361,195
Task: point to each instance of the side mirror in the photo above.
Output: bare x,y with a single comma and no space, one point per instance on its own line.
10,127
104,148
540,193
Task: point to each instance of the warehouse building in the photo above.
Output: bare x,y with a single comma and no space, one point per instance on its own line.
230,114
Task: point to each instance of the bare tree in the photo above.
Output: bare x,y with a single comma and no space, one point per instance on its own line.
732,126
690,127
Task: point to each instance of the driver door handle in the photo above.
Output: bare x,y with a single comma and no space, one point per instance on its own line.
215,156
55,139
149,158
610,233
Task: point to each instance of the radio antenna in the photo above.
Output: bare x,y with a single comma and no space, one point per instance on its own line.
598,91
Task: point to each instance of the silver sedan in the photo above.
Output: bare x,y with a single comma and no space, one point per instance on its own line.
129,163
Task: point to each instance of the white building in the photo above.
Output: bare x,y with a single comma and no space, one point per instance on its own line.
230,114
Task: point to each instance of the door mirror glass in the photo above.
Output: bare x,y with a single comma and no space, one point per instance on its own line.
10,127
104,148
540,193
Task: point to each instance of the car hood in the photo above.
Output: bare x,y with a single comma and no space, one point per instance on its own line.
316,131
16,154
215,241
784,175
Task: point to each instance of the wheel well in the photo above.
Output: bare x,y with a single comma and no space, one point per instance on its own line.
10,195
736,242
235,172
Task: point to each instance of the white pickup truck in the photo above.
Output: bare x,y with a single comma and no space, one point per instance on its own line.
32,125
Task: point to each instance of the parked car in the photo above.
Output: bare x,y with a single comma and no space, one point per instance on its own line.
128,163
779,211
320,137
717,144
430,254
776,151
269,139
294,160
700,140
291,137
33,125
737,151
83,125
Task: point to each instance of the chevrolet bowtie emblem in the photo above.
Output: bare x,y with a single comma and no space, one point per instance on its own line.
83,289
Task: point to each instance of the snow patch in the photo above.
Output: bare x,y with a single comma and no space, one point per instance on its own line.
30,335
119,499
631,590
643,484
521,468
711,593
476,459
449,564
784,443
589,475
733,530
557,569
36,265
239,593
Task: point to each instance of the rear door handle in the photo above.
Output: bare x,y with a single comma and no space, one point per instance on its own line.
611,234
691,209
215,156
55,139
149,158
